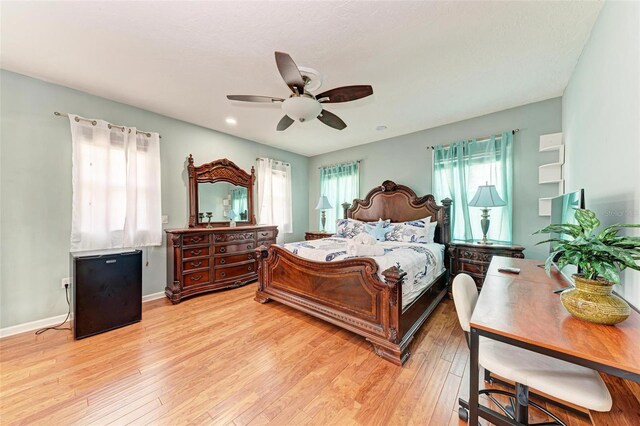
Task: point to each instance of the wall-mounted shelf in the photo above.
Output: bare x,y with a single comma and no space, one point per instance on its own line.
551,173
550,142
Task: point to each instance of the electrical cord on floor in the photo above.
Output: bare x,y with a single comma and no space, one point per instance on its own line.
59,326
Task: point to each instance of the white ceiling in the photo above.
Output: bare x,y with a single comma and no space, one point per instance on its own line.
430,63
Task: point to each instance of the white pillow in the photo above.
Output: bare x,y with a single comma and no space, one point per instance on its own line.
348,228
414,231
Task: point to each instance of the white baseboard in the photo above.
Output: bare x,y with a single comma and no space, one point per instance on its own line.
48,322
33,325
153,296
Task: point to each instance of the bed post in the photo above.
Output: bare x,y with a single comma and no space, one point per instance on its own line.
445,238
262,253
345,207
445,232
394,348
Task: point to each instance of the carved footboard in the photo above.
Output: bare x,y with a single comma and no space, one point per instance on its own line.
347,293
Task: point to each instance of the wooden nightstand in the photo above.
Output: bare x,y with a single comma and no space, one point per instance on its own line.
473,258
316,235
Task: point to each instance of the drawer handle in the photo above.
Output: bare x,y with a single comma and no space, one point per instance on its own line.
196,239
223,249
219,238
223,274
222,261
196,252
264,234
248,246
196,264
249,257
250,268
196,277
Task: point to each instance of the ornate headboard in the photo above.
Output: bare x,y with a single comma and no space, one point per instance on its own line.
400,204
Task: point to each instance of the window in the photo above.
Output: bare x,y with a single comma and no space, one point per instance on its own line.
116,187
340,183
458,170
274,195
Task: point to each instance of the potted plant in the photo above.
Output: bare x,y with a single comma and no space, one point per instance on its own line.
600,257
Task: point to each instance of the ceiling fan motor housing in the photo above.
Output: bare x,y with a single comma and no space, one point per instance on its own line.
301,108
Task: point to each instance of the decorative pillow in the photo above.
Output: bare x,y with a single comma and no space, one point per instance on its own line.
378,230
415,231
348,228
431,232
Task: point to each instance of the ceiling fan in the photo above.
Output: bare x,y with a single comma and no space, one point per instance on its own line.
302,105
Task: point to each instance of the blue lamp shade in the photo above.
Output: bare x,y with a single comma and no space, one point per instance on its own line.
231,214
487,196
323,203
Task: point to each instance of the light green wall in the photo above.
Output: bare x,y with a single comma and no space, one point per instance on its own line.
406,160
35,187
601,111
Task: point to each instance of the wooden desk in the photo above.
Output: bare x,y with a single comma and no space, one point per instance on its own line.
522,310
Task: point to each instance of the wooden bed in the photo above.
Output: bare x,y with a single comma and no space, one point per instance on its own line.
348,293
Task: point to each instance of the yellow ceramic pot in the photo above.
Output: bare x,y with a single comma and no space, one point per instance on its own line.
593,301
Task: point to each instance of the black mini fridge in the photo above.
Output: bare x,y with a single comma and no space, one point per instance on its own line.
107,291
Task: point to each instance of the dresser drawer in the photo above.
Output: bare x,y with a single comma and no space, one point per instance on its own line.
189,240
235,248
236,258
194,278
266,243
473,268
188,265
478,256
266,234
235,271
195,252
234,237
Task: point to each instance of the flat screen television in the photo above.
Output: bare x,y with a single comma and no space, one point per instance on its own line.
563,211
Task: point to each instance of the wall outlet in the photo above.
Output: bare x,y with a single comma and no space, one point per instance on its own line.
66,281
165,219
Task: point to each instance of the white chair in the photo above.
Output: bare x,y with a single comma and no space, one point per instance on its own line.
559,379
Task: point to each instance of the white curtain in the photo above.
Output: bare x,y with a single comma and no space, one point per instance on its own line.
116,187
274,195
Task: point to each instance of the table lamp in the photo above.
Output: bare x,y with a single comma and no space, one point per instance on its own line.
323,204
486,197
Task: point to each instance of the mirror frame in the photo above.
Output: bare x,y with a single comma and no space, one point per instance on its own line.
223,170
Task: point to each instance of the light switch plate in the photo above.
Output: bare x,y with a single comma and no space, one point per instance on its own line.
165,219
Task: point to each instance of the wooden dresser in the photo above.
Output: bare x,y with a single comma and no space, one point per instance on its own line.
474,259
200,260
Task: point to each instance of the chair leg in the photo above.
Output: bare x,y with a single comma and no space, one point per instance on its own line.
522,404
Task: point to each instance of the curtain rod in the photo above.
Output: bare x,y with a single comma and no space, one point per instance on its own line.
482,139
277,161
94,122
339,164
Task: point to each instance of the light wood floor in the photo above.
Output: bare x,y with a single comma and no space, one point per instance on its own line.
225,359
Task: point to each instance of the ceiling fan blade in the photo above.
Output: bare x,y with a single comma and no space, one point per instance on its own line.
253,98
284,123
345,94
331,120
290,72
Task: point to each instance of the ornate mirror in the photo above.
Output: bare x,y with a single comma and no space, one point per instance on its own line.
220,192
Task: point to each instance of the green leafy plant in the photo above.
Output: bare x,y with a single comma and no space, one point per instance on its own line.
598,255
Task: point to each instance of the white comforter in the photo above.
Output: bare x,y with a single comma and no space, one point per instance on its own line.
422,262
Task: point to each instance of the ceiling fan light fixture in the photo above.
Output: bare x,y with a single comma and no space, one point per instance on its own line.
301,108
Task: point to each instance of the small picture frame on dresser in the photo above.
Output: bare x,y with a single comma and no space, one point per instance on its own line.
473,259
